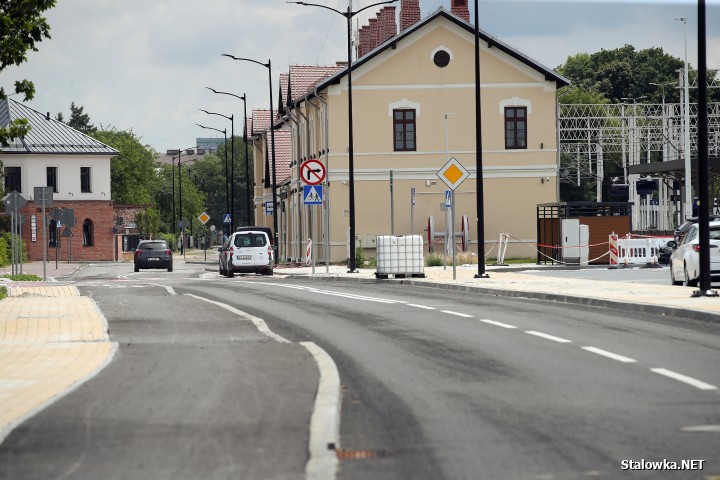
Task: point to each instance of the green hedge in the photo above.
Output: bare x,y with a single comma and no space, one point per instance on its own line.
5,250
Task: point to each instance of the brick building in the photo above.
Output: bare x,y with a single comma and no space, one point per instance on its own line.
77,168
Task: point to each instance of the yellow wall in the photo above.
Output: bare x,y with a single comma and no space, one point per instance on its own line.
406,77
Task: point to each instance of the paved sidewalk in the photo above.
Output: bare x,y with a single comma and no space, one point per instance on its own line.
51,341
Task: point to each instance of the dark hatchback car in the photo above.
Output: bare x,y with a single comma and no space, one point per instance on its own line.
153,254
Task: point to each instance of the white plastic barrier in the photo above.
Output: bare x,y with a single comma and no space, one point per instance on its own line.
636,251
400,256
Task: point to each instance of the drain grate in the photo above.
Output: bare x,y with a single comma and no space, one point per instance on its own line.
360,454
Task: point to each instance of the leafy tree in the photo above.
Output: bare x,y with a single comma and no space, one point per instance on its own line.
134,179
78,120
148,222
21,27
240,181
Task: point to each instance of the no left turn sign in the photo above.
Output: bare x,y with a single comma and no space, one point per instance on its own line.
312,172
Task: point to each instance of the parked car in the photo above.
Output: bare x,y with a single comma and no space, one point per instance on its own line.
683,227
153,254
253,228
247,251
685,259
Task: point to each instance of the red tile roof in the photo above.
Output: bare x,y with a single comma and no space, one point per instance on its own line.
283,155
304,78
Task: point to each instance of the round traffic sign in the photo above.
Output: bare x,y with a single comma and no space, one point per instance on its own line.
312,172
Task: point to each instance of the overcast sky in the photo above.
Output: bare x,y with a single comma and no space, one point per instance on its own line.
143,64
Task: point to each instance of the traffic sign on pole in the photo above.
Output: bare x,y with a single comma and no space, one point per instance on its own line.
312,172
453,174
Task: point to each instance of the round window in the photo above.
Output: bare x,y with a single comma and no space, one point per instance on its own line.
441,58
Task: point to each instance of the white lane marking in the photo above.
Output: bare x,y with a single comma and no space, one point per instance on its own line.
607,354
351,296
450,312
421,306
684,378
497,324
548,337
258,322
325,419
170,290
702,428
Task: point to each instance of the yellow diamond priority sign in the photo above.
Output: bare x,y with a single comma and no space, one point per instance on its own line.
204,217
453,174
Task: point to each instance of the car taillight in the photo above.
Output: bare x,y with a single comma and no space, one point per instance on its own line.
232,251
696,247
138,252
168,252
270,250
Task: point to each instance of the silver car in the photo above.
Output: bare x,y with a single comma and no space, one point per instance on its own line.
685,259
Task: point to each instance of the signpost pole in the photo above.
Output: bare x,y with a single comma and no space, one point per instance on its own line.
452,233
44,236
13,245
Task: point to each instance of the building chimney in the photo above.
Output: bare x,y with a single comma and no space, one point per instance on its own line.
390,25
409,13
363,34
374,33
460,8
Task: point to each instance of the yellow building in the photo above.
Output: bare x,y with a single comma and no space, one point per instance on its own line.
413,108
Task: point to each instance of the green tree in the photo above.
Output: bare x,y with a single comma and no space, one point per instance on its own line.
21,27
240,181
133,172
78,120
148,222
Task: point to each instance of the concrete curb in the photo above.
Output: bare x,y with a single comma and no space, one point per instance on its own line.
644,308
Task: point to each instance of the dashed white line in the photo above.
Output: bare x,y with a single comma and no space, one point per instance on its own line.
458,314
614,356
548,337
684,378
497,324
421,306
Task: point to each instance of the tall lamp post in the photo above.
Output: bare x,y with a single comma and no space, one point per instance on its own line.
231,209
224,132
686,130
174,217
247,168
349,14
180,162
268,65
479,158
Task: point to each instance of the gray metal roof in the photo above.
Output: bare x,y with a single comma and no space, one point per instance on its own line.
47,135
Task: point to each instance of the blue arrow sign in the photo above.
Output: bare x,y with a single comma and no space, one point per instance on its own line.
313,194
448,202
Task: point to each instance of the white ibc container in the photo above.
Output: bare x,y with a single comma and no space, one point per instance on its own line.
400,255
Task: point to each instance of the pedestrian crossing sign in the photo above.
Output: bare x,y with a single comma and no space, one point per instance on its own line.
227,218
313,194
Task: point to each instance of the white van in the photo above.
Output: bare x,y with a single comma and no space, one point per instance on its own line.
247,252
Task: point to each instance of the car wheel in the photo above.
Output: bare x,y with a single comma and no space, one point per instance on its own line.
137,269
230,273
267,271
672,277
688,282
170,268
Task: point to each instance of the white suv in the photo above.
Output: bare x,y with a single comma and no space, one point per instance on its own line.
246,252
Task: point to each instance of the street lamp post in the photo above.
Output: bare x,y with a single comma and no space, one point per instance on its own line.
268,65
182,229
231,206
224,132
349,14
479,158
247,168
686,129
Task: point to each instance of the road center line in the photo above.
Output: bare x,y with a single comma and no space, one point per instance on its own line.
325,419
497,324
420,306
458,314
548,337
684,378
258,322
607,354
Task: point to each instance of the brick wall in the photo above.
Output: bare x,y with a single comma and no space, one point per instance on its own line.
409,13
100,213
460,8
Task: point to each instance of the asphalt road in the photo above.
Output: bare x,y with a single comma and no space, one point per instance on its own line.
435,385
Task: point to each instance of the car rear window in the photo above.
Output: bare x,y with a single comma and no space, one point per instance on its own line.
153,246
250,240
